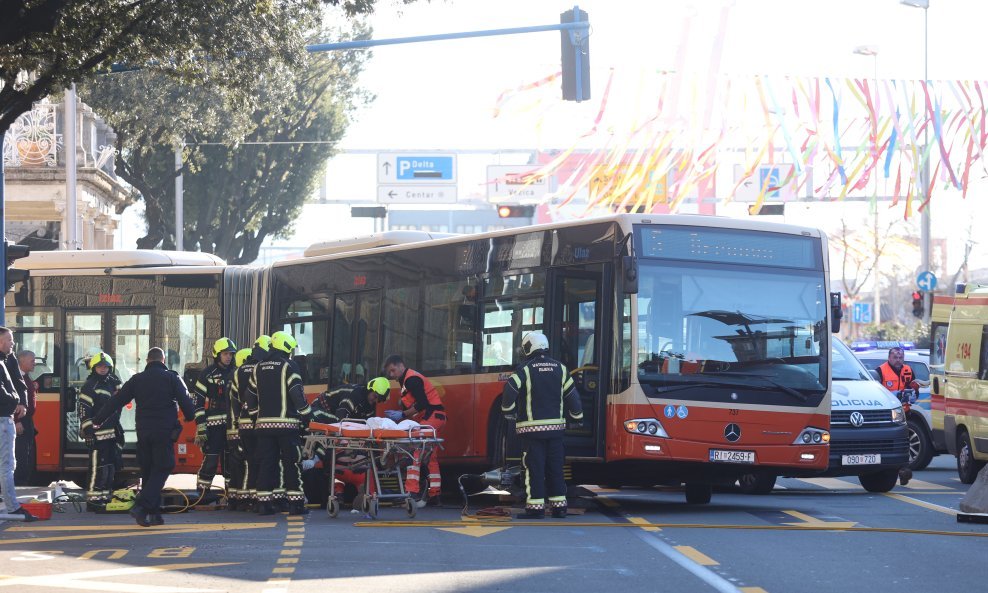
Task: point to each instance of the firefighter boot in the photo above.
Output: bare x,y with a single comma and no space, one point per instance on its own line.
559,512
297,507
265,508
532,513
156,519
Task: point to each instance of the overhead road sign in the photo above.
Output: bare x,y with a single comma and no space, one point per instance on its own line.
517,183
416,194
416,168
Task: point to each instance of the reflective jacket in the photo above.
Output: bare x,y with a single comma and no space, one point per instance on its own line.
237,418
276,397
542,396
158,394
213,388
418,391
95,394
346,401
894,381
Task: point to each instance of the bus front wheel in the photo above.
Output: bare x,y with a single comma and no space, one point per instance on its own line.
698,493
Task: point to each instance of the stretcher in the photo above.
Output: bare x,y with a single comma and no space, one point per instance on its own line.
380,452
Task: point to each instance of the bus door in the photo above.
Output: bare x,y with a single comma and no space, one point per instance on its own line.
35,330
126,337
576,315
356,339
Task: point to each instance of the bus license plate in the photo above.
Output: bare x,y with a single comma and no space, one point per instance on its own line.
863,459
732,456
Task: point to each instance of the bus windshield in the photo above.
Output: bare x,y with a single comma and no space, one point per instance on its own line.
732,326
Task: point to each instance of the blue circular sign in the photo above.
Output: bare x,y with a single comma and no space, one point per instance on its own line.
682,412
670,411
926,281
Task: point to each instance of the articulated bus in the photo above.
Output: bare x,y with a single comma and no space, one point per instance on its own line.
77,303
700,345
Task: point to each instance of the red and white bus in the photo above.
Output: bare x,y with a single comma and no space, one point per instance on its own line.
700,345
77,303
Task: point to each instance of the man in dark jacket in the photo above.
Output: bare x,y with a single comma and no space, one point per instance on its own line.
26,431
536,396
156,391
12,407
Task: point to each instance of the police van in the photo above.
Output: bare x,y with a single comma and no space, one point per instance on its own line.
959,368
919,421
868,435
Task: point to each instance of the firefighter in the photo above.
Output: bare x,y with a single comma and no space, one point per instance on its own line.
245,423
346,401
535,396
235,459
421,402
98,389
276,400
213,388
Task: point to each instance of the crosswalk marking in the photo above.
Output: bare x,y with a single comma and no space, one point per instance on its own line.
832,483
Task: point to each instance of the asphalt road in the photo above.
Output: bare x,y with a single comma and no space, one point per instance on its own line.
813,534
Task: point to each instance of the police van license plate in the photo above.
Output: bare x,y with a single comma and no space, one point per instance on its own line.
732,456
862,459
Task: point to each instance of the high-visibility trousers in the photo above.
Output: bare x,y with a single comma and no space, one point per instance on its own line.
437,421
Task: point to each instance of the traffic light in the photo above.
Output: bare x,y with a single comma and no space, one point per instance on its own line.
576,57
917,303
13,275
515,211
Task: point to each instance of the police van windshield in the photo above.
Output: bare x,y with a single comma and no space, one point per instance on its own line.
846,366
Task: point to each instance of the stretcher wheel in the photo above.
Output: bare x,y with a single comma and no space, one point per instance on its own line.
410,508
333,508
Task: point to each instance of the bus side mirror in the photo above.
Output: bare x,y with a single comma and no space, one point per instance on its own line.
835,312
629,274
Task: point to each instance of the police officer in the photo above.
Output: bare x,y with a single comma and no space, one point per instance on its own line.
156,391
420,401
96,392
276,400
212,397
535,396
245,424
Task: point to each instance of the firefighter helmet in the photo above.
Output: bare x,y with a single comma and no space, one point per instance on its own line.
263,342
284,342
100,358
223,345
241,356
532,342
382,387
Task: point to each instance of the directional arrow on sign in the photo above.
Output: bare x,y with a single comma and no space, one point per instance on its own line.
808,521
387,167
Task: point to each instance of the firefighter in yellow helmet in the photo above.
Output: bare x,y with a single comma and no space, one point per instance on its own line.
211,394
246,361
276,399
99,387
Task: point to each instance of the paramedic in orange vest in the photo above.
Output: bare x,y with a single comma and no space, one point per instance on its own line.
420,402
896,375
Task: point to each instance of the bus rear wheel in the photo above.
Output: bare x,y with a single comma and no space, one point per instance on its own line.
698,493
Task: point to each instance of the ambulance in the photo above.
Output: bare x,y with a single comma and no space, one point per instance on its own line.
959,372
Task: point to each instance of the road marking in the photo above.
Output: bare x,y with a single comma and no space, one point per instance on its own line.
291,552
295,536
831,483
114,554
643,522
915,484
922,503
117,534
696,556
701,572
807,520
287,560
293,543
159,528
85,580
474,530
284,570
753,590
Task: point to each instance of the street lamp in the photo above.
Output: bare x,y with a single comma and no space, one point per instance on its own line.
924,226
872,50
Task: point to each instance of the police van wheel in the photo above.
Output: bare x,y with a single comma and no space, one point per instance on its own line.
882,481
333,508
410,508
967,466
698,493
920,446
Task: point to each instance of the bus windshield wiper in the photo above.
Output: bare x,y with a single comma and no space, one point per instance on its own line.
789,390
680,387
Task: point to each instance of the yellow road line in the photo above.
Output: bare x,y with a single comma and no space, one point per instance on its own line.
575,524
753,590
643,522
146,531
831,483
922,503
287,560
915,484
159,528
696,556
291,552
293,543
284,570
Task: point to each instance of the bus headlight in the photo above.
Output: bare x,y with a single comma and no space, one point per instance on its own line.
646,426
898,416
812,435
